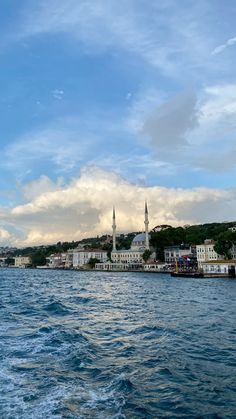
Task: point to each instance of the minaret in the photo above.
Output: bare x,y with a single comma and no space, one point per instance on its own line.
114,229
146,222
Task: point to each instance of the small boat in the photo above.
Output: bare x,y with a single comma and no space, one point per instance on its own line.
188,274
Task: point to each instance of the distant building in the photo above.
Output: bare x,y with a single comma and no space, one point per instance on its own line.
69,258
155,267
233,251
3,260
111,266
22,261
139,244
161,227
173,253
233,229
81,257
219,268
206,252
130,259
56,260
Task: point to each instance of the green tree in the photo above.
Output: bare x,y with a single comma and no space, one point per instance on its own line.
146,255
92,262
224,244
9,261
38,258
161,239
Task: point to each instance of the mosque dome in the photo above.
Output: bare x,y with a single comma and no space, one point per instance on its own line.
138,242
139,238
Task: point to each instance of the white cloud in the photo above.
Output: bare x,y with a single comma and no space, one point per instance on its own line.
181,132
222,47
219,103
40,186
4,236
162,35
58,94
63,143
214,140
83,208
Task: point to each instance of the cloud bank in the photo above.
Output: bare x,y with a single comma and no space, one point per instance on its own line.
83,207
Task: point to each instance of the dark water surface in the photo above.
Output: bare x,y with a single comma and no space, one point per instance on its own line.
116,345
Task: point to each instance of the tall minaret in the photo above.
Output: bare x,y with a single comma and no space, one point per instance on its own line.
146,222
114,229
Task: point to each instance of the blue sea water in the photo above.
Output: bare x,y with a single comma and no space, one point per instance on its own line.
116,345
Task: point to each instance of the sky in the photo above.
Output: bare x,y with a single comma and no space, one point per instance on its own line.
113,103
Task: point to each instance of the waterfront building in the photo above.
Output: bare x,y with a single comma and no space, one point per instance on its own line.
130,259
22,261
69,258
3,258
81,257
173,253
113,266
139,244
56,260
155,267
206,252
219,268
233,251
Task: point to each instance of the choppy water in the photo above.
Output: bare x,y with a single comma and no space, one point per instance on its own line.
116,345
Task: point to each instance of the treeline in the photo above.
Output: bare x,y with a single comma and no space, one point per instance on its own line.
193,235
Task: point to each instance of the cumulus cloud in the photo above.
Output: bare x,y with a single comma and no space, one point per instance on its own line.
4,236
170,124
83,208
40,186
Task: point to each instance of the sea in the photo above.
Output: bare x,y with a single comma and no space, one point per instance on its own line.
116,345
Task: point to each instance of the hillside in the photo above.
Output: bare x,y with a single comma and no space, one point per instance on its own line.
193,234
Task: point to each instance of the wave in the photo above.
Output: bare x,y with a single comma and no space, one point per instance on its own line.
57,309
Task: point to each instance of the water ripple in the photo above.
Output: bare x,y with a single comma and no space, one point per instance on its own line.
116,345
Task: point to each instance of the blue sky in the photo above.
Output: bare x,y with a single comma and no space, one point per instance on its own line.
127,100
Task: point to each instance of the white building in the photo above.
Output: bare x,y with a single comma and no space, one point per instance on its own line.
56,260
139,244
233,251
155,267
134,254
69,258
219,268
206,252
111,266
22,261
81,257
173,253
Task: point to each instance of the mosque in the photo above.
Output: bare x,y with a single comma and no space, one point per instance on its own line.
128,259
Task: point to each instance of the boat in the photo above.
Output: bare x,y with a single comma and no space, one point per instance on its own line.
188,274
